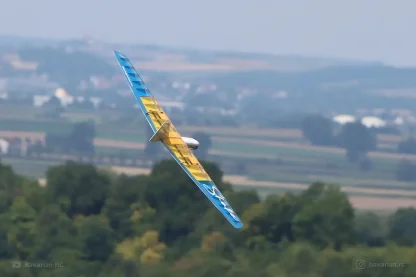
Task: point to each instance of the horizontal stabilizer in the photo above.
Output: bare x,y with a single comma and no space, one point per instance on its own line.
161,133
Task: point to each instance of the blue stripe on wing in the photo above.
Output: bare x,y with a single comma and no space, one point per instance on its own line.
137,86
214,195
209,189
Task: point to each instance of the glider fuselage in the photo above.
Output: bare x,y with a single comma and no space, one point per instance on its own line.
191,142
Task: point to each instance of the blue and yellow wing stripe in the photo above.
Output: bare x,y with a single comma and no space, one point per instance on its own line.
155,116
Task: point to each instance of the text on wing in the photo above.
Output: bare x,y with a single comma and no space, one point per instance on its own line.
214,191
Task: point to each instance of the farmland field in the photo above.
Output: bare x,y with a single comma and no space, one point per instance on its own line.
301,162
298,163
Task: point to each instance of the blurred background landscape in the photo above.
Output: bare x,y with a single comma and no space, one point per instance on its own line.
270,125
273,123
316,154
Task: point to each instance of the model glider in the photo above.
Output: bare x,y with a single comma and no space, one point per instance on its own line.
179,147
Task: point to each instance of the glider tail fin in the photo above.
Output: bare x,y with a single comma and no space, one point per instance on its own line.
161,133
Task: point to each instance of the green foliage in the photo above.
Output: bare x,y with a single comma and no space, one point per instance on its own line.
403,227
77,188
106,225
82,137
370,229
357,140
80,140
21,232
124,193
170,192
96,237
10,187
56,236
326,217
318,130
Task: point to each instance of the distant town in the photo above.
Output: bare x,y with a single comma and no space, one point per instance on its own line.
200,85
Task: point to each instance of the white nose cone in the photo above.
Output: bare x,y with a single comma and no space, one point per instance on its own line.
191,142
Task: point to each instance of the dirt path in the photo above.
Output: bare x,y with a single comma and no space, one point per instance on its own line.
130,170
381,203
118,144
32,135
359,202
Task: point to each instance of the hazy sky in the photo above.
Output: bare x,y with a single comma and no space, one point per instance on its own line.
366,29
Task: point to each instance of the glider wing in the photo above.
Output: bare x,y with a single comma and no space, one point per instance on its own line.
165,132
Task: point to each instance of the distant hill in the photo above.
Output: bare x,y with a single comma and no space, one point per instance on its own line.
337,88
331,77
166,58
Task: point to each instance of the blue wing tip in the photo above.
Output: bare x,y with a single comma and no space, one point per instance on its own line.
119,55
239,226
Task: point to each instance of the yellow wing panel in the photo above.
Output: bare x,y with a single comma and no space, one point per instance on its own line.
166,132
154,110
174,140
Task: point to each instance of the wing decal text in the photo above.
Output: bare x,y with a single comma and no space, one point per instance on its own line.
214,191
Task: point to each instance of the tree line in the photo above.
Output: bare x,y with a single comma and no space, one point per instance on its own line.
357,140
96,223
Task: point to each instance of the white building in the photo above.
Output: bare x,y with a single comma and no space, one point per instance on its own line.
4,146
373,122
344,119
